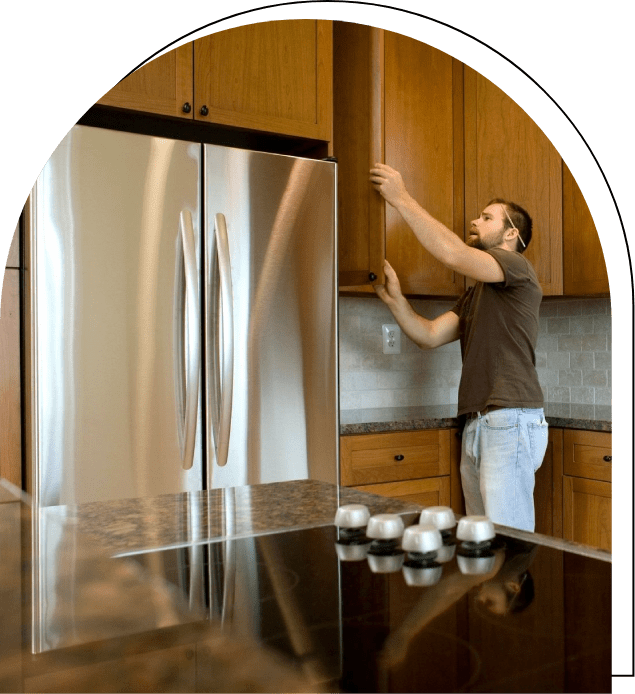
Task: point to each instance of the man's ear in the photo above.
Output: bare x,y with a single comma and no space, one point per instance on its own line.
512,586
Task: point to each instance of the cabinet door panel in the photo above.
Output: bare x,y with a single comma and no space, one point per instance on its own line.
585,453
161,86
273,76
434,491
419,137
584,266
508,156
10,398
587,511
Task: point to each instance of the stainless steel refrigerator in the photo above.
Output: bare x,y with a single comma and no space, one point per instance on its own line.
183,318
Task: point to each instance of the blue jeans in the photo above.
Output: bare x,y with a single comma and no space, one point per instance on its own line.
500,453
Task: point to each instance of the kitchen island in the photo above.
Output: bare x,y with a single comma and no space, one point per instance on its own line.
249,589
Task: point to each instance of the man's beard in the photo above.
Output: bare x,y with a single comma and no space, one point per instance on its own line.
477,242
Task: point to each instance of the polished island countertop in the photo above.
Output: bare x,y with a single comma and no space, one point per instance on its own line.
109,596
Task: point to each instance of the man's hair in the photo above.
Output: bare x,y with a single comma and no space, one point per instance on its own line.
521,219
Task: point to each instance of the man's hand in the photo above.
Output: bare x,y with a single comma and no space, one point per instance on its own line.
388,183
391,291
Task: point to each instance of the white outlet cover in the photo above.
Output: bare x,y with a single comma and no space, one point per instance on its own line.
391,338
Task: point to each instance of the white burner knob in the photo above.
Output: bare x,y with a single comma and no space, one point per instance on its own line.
421,538
442,517
352,516
385,564
385,526
475,566
475,529
422,576
352,552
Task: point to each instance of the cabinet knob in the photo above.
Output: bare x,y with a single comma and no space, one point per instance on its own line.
204,110
187,107
607,458
372,276
399,457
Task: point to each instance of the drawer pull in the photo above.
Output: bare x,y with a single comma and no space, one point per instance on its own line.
607,458
399,457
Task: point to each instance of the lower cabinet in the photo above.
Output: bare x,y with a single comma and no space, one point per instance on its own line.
573,485
417,466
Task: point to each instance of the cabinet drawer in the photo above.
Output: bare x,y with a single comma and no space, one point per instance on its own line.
587,454
434,491
587,512
373,458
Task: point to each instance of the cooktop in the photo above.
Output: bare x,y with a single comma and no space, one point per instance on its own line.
356,615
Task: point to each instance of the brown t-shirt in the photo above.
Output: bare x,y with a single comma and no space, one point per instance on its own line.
498,325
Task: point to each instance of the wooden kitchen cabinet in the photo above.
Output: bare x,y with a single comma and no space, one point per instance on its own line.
508,156
416,466
397,101
582,488
10,395
273,76
584,267
544,485
164,86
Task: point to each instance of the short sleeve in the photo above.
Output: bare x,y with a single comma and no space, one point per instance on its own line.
514,266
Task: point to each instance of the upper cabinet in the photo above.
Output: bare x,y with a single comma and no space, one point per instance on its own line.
508,156
397,101
273,77
584,266
163,86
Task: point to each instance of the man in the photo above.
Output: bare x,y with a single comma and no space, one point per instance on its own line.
505,434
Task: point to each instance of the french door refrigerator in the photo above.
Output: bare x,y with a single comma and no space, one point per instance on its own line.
183,318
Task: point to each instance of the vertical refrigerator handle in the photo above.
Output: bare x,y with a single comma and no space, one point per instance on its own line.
221,437
192,314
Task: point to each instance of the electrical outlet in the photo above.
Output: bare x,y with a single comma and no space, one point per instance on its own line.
391,334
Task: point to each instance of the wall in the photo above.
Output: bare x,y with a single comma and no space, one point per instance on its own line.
573,358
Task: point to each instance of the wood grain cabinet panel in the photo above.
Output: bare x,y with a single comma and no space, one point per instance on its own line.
544,487
390,457
433,491
163,86
397,101
10,395
272,76
584,267
508,156
588,454
587,511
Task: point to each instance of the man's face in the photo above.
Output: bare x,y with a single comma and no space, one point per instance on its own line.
497,596
488,230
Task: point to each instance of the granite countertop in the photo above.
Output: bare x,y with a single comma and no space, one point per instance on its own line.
378,420
85,603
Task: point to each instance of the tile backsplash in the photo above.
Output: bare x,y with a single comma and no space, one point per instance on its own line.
573,358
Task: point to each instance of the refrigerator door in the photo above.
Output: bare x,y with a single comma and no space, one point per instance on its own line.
272,403
115,319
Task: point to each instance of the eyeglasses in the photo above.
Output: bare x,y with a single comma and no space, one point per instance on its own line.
512,223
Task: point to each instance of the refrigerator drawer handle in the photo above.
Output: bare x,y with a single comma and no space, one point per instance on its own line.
192,312
227,317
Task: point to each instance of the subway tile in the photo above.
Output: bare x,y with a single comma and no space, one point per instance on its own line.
560,393
350,401
582,360
603,396
541,360
603,412
582,395
581,325
545,393
602,360
547,377
594,343
547,343
570,377
569,308
559,409
558,325
582,411
595,306
601,324
569,343
350,361
558,360
594,377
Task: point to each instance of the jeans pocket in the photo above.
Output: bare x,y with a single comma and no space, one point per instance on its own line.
501,419
538,441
